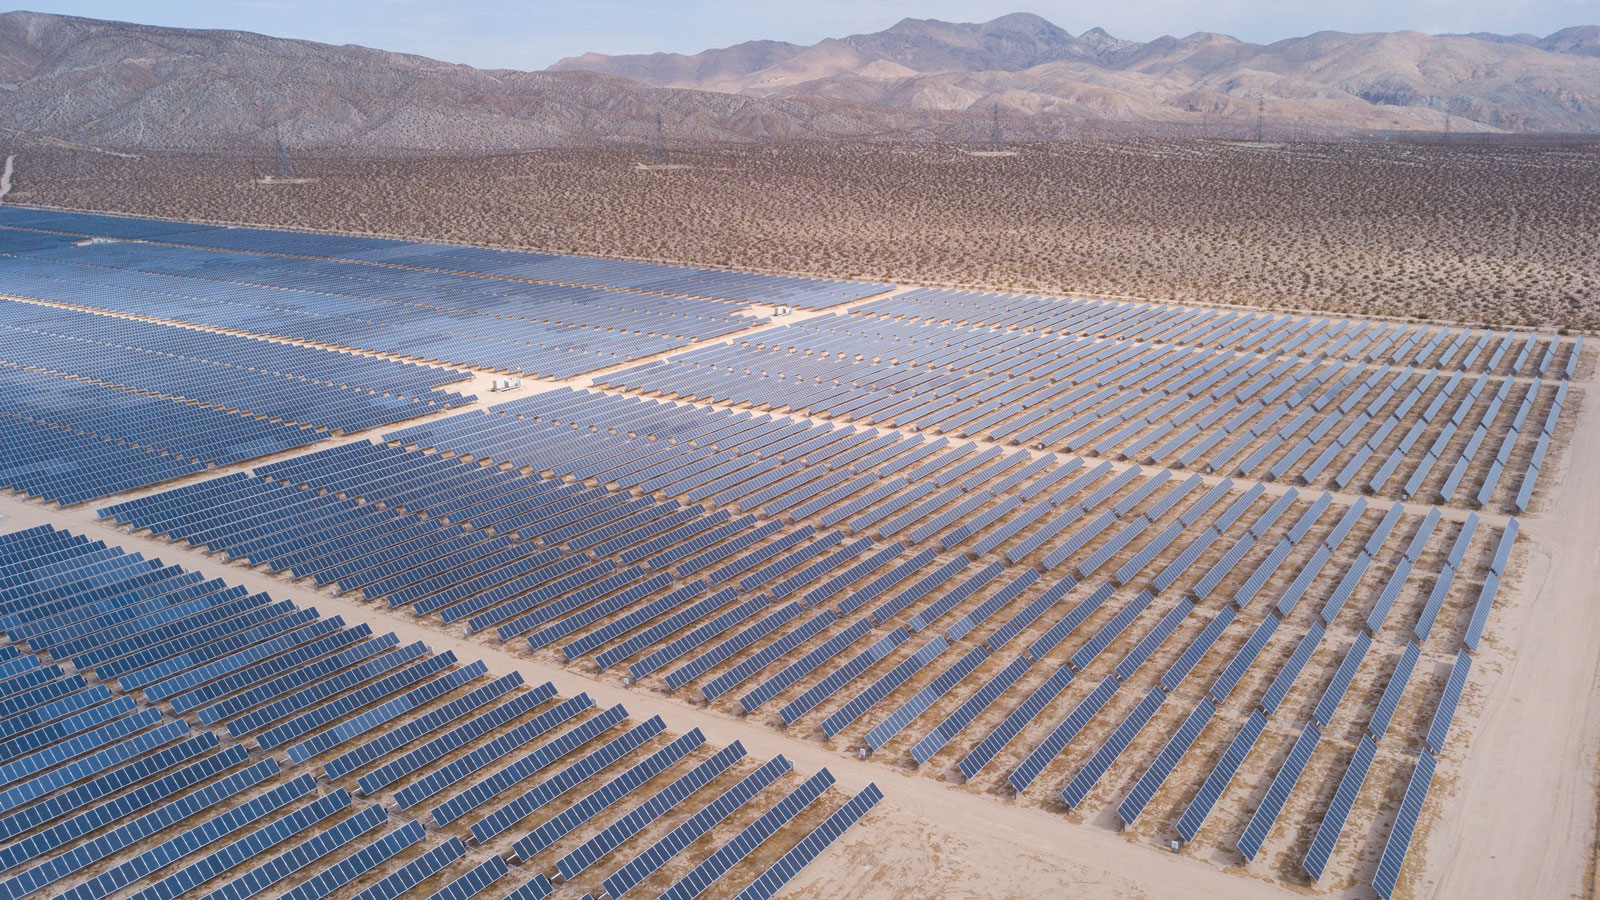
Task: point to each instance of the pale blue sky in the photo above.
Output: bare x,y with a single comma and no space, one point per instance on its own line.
531,35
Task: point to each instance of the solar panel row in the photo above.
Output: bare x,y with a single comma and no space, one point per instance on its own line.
104,793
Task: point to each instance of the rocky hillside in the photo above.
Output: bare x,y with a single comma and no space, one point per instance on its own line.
1027,67
135,87
113,85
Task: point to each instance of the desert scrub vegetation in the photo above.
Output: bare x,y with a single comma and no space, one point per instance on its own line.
1493,235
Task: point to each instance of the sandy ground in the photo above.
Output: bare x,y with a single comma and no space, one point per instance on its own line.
5,176
1521,822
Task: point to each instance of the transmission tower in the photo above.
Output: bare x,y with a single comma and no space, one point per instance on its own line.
281,166
658,145
1205,125
1447,124
994,124
1261,120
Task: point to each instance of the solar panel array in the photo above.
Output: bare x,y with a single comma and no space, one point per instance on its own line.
112,779
598,527
527,312
1223,392
342,392
92,405
940,528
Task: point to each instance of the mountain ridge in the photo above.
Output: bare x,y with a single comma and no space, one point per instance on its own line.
141,88
1023,63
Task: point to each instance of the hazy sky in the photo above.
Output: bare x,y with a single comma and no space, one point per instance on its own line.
531,35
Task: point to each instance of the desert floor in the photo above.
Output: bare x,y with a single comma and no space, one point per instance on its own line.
1505,236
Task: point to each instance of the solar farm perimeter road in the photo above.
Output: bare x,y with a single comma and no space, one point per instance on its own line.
1519,814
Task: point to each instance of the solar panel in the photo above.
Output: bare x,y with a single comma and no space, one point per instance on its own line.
969,710
991,605
473,728
1019,717
1192,654
125,873
1346,672
1390,699
707,817
856,572
834,681
607,795
474,881
724,650
247,847
1283,783
1085,780
1060,736
769,882
1058,632
1327,836
663,627
360,724
1405,823
917,591
874,693
362,861
392,740
1199,808
528,802
932,693
1176,747
300,856
415,872
749,666
316,717
746,841
1430,609
1108,632
1388,596
1444,713
1502,551
664,800
698,636
804,665
480,757
1153,639
147,797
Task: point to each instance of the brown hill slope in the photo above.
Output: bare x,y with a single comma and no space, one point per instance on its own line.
113,84
1329,81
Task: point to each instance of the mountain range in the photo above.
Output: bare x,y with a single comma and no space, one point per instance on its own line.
138,88
1026,66
116,85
